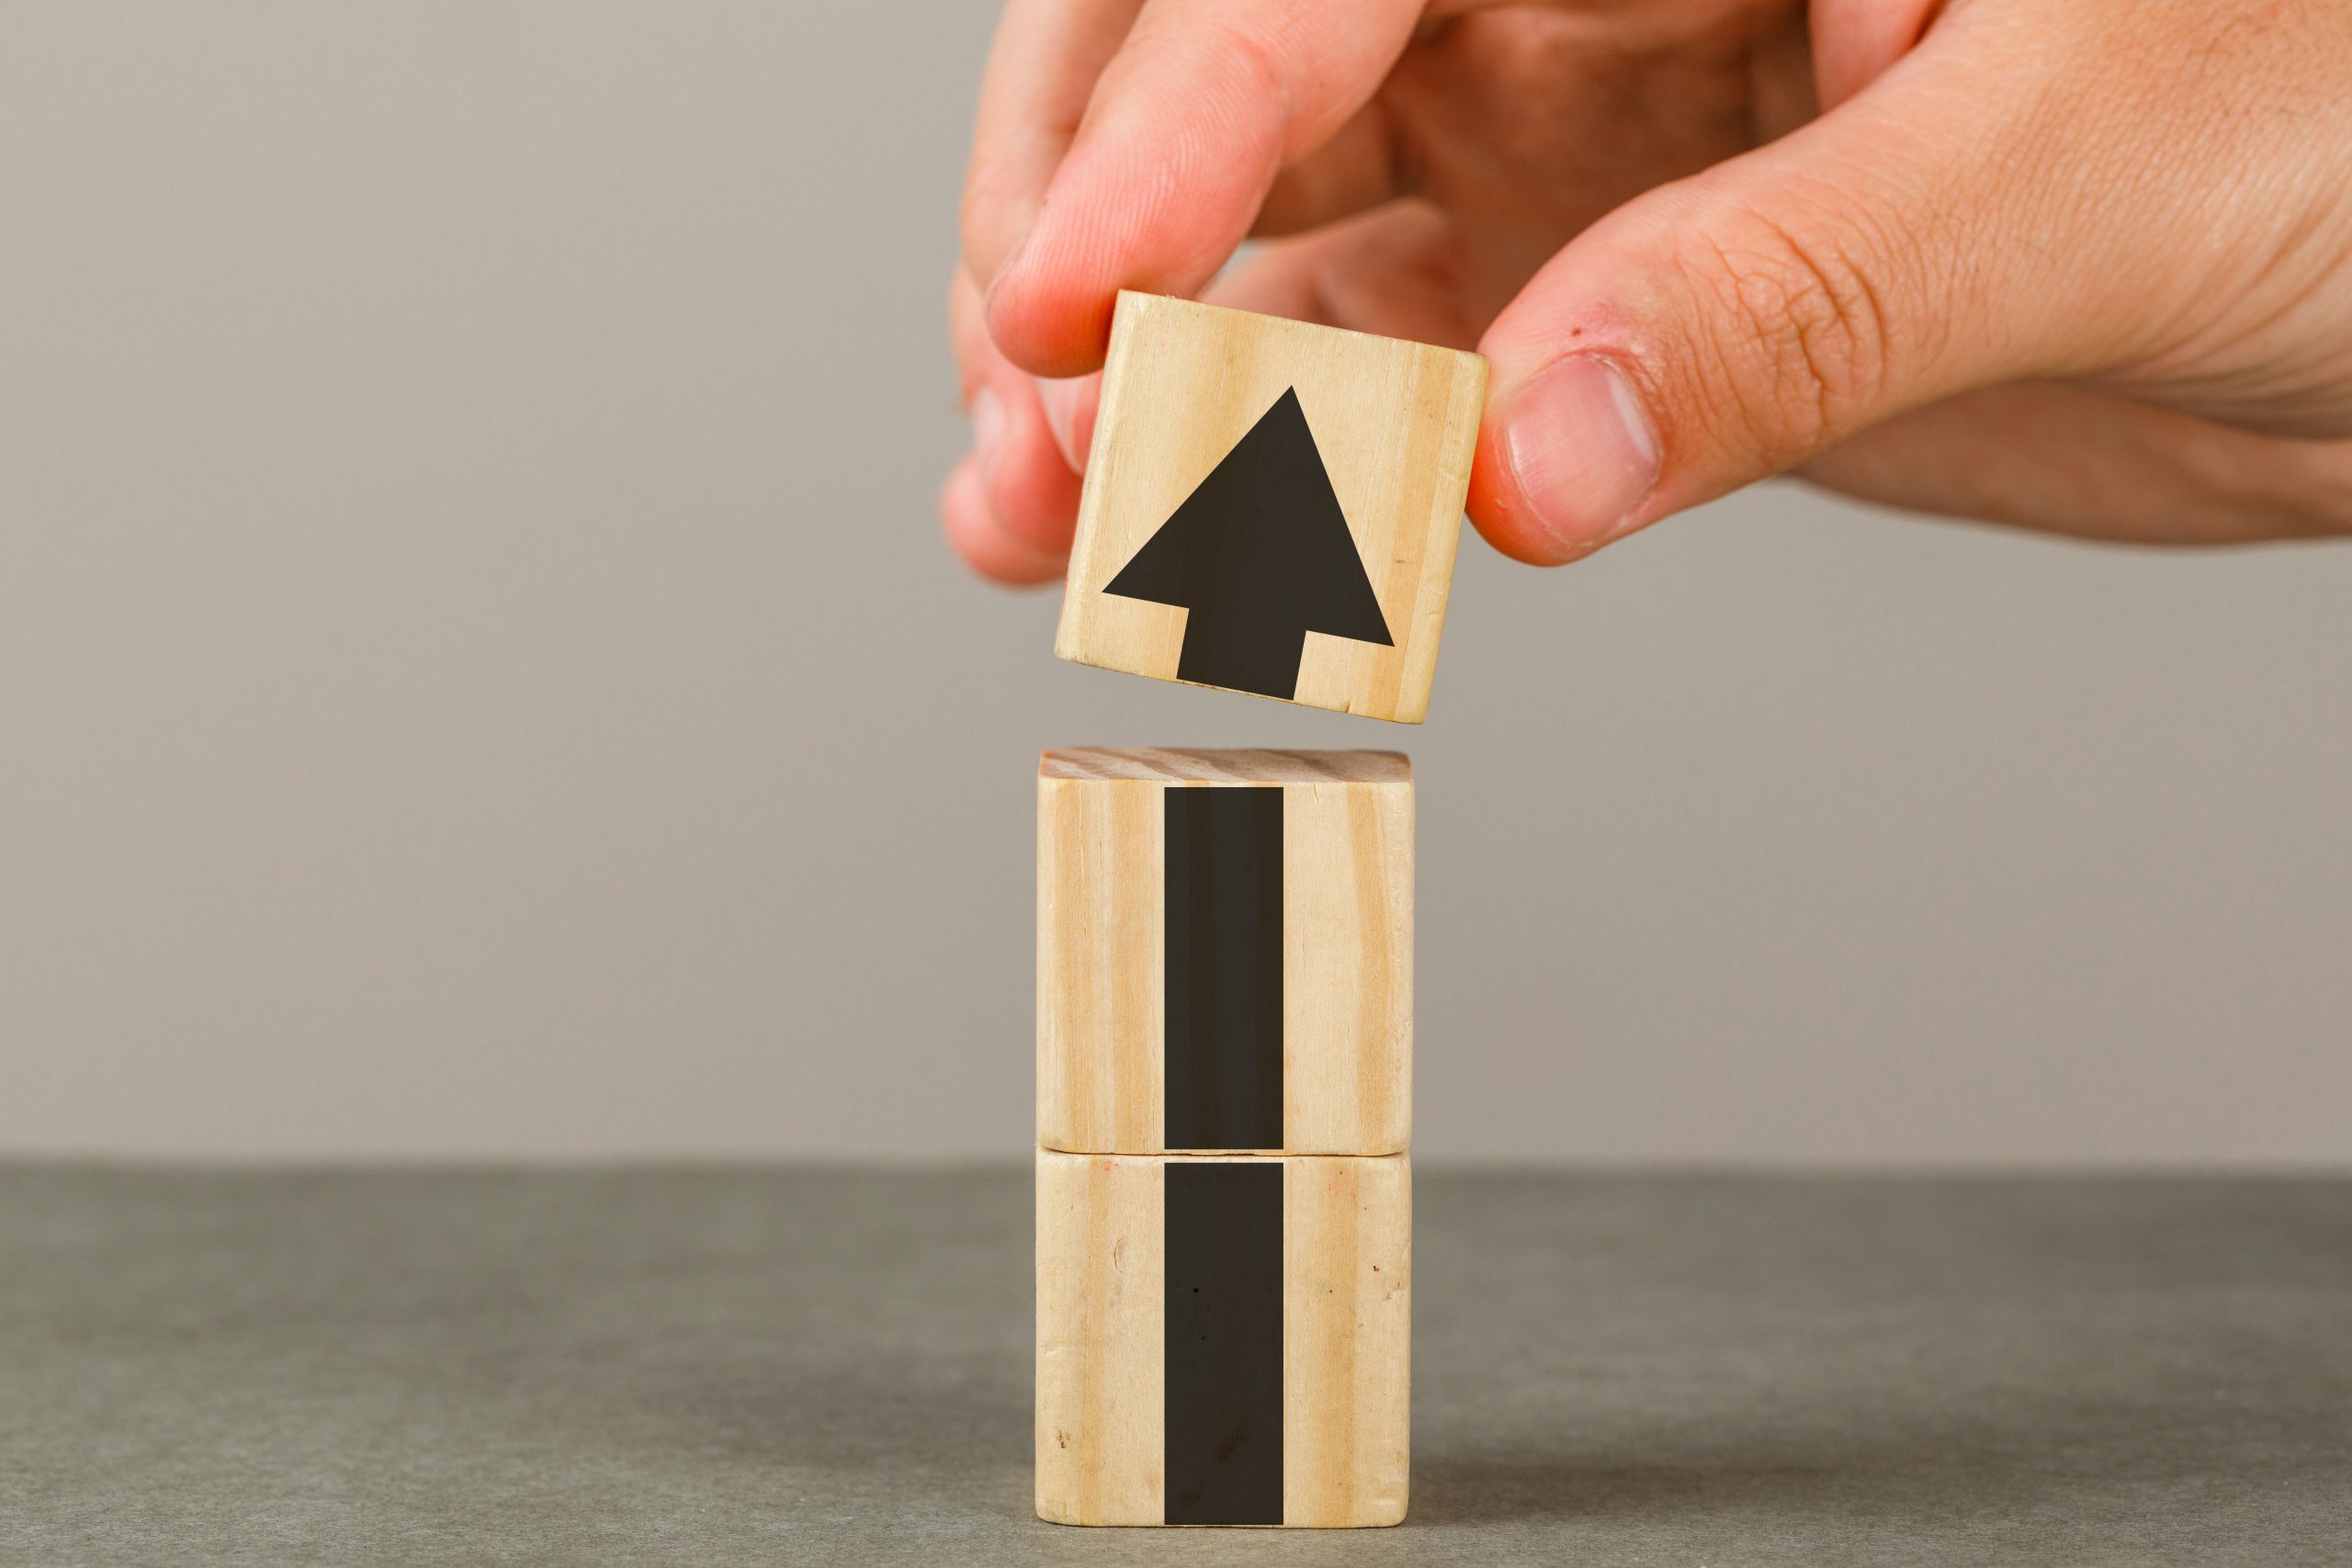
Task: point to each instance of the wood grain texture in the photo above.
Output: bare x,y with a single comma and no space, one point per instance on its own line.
1100,1317
1184,764
1395,422
1100,1007
1347,945
1346,1339
1347,968
1346,1315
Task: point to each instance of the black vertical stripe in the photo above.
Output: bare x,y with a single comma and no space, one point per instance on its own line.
1223,1355
1224,967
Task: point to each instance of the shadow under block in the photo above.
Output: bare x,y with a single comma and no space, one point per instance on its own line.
1224,951
1222,1339
1314,566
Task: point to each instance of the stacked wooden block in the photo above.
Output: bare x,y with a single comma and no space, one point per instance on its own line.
1224,1102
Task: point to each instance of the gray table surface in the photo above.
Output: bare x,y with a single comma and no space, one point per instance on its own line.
824,1367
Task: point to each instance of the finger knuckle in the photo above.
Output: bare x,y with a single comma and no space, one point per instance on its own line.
1801,344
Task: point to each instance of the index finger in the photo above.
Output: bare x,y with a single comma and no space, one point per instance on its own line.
1041,73
1203,104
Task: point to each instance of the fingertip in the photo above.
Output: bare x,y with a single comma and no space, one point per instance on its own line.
1047,320
1568,460
1030,487
1499,511
975,533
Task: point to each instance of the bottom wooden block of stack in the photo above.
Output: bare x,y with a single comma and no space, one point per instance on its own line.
1222,1339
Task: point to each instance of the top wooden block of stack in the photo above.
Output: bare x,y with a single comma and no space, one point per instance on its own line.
1272,507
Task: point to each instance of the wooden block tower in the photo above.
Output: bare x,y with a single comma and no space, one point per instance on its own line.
1224,1101
1225,939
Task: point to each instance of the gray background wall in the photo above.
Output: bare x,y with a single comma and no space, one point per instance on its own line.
478,675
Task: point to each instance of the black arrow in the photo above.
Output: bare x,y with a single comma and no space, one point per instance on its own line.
1260,553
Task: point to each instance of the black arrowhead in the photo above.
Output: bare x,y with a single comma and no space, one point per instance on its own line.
1260,553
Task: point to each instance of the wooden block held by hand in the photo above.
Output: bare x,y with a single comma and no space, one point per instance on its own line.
1224,951
1272,507
1222,1340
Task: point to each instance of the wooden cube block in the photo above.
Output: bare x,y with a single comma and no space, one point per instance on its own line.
1224,951
1272,507
1222,1340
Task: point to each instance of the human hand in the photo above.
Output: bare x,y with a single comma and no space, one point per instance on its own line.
2079,265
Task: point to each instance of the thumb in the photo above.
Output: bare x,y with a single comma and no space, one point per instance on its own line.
1728,327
